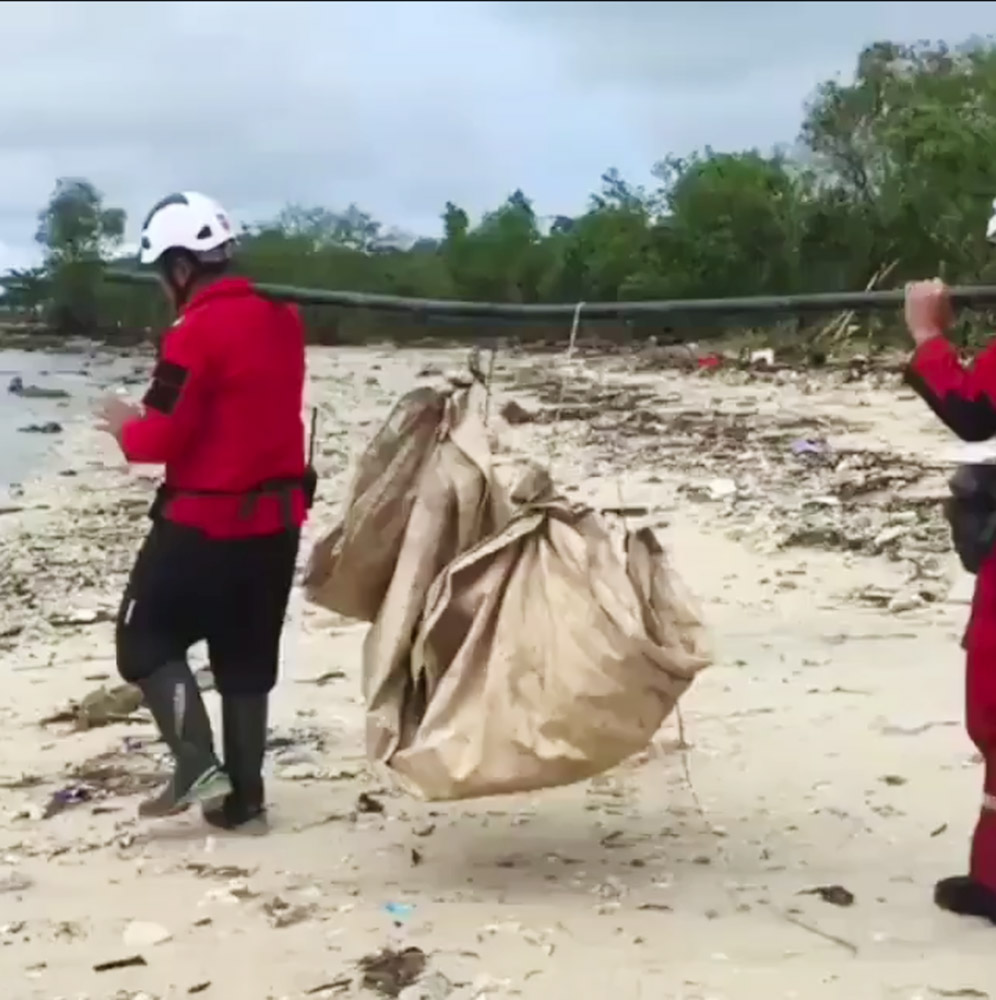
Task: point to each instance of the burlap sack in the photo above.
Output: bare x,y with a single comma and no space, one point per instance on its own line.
351,567
424,494
513,647
545,657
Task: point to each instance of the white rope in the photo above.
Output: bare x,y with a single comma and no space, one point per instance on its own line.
562,387
684,746
575,323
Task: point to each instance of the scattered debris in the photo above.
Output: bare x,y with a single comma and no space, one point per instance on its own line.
116,774
399,912
16,387
389,971
889,729
833,938
721,489
485,987
835,894
366,803
807,447
236,891
301,772
141,934
283,914
514,413
322,679
335,985
12,880
24,781
102,707
905,602
967,991
61,800
120,963
49,427
435,986
82,616
228,872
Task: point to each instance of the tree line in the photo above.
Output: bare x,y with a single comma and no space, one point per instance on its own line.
892,177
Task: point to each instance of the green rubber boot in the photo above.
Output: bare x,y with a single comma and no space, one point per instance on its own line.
172,695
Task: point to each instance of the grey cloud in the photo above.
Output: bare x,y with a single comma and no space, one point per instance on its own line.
400,106
716,44
261,103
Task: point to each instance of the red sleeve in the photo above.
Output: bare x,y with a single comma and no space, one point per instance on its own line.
963,397
174,400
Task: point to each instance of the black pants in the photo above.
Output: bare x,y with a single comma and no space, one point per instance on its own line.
186,587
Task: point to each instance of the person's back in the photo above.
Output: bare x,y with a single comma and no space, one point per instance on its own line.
240,469
261,385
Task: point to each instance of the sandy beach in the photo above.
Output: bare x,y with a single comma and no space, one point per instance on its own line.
825,755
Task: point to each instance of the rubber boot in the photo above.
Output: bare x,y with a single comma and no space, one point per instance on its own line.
961,894
974,895
244,719
172,695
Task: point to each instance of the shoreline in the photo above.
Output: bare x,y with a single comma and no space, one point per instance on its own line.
31,426
636,880
42,340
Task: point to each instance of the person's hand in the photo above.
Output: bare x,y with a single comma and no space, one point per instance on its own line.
113,413
928,310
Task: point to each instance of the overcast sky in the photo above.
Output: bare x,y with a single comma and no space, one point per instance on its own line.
400,106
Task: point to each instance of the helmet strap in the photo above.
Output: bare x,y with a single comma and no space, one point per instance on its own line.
180,290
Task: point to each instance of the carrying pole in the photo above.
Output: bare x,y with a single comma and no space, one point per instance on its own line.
760,305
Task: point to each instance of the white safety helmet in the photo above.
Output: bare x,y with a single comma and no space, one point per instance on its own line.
187,221
991,225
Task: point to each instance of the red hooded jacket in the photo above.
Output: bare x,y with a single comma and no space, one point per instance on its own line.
224,415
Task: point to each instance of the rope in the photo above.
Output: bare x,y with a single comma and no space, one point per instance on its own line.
562,387
683,745
575,323
567,358
488,382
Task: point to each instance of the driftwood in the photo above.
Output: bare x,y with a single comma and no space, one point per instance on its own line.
102,707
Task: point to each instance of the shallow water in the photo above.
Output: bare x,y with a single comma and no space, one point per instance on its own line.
85,376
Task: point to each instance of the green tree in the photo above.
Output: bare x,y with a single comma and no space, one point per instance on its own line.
910,149
607,253
25,291
502,258
77,233
731,226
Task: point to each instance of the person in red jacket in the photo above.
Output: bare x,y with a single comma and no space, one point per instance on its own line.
223,414
964,398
